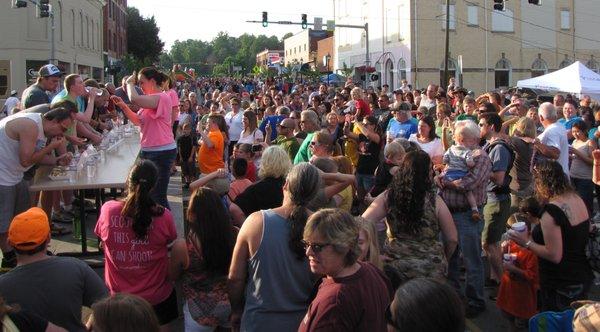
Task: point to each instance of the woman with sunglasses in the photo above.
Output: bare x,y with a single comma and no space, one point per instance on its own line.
353,295
270,292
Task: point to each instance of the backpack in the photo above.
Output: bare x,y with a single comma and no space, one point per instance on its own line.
505,189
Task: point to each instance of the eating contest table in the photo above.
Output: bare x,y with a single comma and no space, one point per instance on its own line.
110,173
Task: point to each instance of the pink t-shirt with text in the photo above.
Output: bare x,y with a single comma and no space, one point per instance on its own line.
132,265
155,124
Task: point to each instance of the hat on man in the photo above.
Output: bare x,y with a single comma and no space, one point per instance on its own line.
49,70
13,93
287,123
29,229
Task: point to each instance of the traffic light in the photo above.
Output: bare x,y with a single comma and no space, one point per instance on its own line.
304,24
265,20
536,2
43,9
499,4
19,3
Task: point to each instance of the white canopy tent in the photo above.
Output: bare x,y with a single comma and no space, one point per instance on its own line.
576,78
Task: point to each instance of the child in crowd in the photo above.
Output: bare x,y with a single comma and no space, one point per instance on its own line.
393,154
244,150
459,158
368,243
239,166
517,296
186,150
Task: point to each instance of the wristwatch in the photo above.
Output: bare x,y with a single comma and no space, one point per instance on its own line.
527,244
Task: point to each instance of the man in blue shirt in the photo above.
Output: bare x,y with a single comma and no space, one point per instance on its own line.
401,125
272,122
569,118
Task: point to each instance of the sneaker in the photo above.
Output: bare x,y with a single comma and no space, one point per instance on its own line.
88,206
472,311
61,217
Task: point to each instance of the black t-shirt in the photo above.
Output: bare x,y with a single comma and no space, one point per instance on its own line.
368,155
28,321
185,143
262,195
34,95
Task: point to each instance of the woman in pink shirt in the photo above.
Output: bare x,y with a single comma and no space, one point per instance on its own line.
154,119
136,234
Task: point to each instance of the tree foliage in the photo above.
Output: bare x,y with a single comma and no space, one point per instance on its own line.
219,56
143,44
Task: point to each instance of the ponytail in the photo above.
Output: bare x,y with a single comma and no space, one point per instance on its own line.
153,73
297,219
139,205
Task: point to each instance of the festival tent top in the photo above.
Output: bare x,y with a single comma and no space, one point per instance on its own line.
575,78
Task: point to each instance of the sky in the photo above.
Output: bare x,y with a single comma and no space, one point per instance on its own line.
202,19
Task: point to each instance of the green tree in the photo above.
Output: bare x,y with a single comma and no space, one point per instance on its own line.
143,42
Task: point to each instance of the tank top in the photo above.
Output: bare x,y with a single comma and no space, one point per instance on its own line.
574,267
11,170
279,285
579,168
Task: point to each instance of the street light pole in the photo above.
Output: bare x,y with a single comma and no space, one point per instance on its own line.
447,53
367,56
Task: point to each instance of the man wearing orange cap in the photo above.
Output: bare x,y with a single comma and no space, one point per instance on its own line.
54,288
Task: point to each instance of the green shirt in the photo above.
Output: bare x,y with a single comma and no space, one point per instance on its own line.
304,153
465,116
290,145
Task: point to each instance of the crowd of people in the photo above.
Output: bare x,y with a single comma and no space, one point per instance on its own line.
313,207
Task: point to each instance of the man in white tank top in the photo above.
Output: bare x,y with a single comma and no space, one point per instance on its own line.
23,139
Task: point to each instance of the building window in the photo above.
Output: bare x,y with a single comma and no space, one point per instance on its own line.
87,32
502,21
401,71
565,63
389,71
304,47
81,28
593,65
472,15
565,19
502,72
388,25
452,18
539,67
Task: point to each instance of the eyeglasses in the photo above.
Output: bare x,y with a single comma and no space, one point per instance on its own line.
316,247
381,100
482,124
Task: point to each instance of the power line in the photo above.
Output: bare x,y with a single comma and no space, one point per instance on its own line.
531,23
521,40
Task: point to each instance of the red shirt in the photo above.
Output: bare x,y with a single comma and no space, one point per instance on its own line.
354,303
132,265
362,108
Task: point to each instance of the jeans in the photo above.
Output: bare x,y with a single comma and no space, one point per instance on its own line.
365,181
163,161
469,243
585,189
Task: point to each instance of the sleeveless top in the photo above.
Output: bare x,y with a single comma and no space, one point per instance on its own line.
579,168
279,285
416,255
11,171
204,293
574,268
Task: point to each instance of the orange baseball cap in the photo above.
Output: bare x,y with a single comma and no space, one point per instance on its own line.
29,229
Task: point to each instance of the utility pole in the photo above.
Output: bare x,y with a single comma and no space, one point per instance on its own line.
447,53
52,42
